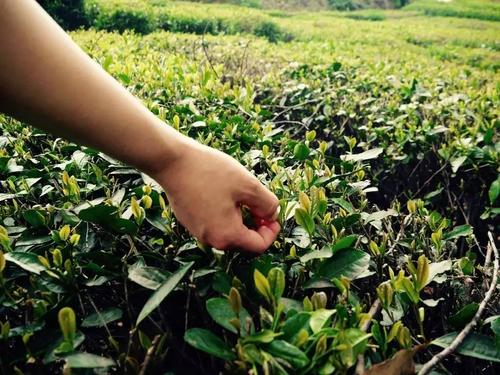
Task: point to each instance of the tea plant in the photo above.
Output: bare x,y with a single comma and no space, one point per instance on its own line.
388,183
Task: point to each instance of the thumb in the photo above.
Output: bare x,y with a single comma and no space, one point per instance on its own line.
261,201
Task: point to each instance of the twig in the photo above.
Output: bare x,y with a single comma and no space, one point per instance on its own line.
360,366
298,105
188,301
318,107
241,70
371,313
290,122
427,367
396,240
429,180
99,314
205,51
133,248
149,355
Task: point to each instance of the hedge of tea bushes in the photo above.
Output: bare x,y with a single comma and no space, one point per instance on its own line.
478,9
93,257
145,17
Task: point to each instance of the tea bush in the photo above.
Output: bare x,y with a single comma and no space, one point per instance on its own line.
479,9
144,17
387,171
70,14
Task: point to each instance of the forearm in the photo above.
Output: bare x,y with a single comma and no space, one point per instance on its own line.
47,81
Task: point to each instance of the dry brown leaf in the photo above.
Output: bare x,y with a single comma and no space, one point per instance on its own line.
400,364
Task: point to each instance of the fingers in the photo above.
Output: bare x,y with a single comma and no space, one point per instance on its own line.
261,201
256,241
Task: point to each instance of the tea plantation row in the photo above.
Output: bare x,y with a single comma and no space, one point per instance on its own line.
381,141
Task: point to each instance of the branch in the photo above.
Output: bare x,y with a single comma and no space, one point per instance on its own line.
205,51
149,355
360,366
427,367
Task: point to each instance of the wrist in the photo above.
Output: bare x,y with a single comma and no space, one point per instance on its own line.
172,149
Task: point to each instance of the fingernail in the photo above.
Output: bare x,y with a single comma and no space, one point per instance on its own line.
276,214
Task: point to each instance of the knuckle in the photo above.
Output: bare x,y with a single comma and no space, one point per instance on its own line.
254,186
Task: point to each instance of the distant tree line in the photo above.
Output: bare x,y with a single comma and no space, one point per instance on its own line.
315,4
71,14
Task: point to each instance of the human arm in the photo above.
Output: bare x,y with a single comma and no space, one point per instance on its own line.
48,81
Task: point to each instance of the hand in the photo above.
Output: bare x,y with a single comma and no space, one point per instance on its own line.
68,94
206,189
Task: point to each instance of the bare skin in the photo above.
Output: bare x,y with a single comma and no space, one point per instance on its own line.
49,82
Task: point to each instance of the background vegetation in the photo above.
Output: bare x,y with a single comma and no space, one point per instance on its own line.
378,131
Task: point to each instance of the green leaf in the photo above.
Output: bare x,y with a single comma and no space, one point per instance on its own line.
163,291
301,151
87,360
494,190
67,323
495,324
102,318
5,196
456,163
325,252
221,312
295,324
344,204
27,261
460,231
344,242
305,220
206,341
122,226
422,275
349,263
262,285
290,304
148,277
319,318
265,336
107,216
410,290
98,214
33,241
35,218
276,278
460,319
290,353
475,345
370,154
438,268
300,237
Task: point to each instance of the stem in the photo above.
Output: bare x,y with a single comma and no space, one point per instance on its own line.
427,367
420,323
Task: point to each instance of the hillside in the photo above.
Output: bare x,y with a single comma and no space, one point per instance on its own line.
377,130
